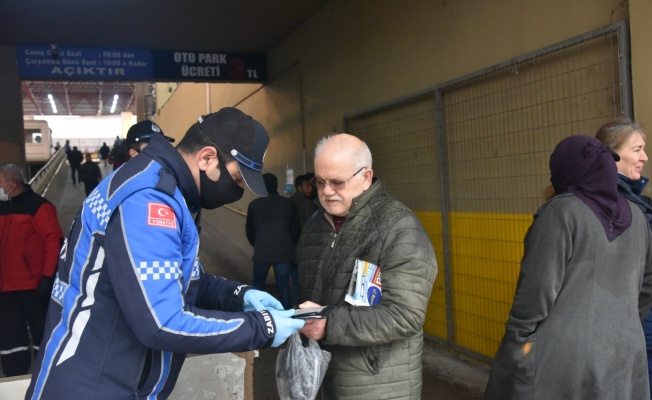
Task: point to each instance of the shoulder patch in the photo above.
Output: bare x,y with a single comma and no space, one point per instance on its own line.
161,215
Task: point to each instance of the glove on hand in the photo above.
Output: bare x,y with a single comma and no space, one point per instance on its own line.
44,287
285,326
259,300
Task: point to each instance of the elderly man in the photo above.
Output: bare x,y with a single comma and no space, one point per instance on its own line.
376,348
30,240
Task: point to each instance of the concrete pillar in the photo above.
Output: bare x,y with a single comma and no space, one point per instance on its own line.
12,142
127,121
640,13
139,98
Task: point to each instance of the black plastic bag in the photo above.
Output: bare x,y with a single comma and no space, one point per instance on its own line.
300,368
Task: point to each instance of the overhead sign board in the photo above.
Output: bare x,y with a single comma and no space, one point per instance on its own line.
74,63
43,62
208,66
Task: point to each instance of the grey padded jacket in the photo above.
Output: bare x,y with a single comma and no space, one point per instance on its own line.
376,350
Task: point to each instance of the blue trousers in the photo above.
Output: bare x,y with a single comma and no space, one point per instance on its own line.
282,274
294,285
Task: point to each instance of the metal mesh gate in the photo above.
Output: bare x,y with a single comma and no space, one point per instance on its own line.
470,158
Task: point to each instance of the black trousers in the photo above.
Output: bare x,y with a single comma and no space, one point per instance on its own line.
74,173
18,310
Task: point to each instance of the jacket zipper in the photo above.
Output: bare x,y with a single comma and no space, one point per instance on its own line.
334,240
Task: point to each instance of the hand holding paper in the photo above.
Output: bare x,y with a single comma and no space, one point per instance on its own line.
314,328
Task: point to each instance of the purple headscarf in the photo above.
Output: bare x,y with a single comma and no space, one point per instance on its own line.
584,166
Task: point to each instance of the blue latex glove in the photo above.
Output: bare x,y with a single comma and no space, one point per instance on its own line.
259,300
285,325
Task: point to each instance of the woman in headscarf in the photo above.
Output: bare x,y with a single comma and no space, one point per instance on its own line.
627,138
574,330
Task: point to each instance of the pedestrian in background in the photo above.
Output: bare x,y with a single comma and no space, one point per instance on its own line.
303,198
574,329
104,153
272,228
90,174
30,241
139,135
304,202
375,349
75,158
119,155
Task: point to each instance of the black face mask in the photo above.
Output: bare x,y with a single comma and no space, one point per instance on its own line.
216,194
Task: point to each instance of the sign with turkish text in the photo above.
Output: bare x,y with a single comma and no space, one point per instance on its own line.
74,63
207,66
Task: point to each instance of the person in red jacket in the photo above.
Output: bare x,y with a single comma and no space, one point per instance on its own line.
30,241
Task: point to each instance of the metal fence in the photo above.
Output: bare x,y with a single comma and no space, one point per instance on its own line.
470,158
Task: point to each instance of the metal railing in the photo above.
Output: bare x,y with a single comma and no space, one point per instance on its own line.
43,177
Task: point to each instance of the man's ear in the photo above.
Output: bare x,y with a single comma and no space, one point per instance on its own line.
206,157
368,175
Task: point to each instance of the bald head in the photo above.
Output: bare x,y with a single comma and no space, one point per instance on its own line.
345,147
342,171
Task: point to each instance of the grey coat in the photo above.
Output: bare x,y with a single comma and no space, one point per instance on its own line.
574,330
376,350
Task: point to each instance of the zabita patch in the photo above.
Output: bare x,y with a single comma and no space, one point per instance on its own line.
161,215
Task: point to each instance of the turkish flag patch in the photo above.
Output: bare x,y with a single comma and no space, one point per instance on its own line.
161,215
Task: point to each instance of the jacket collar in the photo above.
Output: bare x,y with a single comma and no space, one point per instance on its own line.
359,202
635,187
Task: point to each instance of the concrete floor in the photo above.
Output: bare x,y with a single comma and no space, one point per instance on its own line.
446,376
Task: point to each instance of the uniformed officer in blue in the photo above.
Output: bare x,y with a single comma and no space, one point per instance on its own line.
131,298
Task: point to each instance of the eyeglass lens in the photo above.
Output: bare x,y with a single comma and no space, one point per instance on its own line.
334,184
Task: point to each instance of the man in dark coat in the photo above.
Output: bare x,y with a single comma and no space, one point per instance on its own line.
303,199
90,174
273,229
304,202
104,153
75,159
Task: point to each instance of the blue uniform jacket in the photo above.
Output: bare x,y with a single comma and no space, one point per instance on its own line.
131,298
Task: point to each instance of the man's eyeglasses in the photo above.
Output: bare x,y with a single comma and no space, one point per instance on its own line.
334,184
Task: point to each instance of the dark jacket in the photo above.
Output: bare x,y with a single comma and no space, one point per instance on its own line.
305,207
104,152
30,240
273,229
75,158
631,190
90,173
376,350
